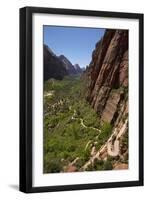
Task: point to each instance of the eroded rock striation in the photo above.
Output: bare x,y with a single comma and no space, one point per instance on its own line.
107,76
106,80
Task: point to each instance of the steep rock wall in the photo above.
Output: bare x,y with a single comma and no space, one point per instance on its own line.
107,76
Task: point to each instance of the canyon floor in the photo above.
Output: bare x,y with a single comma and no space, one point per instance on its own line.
74,138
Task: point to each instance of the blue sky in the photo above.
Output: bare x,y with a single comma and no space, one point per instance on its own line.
75,43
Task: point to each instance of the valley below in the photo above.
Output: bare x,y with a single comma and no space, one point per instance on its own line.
86,110
74,138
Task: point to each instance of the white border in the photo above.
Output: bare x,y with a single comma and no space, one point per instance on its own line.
40,179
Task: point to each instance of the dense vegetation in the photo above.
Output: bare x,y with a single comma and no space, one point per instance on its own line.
71,126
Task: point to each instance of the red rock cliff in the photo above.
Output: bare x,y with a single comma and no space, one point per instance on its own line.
106,80
107,77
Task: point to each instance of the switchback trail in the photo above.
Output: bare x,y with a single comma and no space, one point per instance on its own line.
112,150
82,122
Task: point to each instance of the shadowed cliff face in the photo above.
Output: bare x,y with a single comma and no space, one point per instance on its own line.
53,66
107,76
57,66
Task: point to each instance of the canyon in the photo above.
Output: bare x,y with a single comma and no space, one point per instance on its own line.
86,112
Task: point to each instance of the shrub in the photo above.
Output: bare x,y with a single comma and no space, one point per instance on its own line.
108,165
80,163
65,154
106,130
98,164
90,118
71,148
53,166
86,154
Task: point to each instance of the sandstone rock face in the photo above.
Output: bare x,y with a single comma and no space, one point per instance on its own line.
106,80
107,76
110,107
121,166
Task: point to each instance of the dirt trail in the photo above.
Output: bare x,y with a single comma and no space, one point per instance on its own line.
112,150
50,93
82,122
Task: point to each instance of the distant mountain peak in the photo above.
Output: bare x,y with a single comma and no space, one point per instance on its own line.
49,50
62,56
53,66
65,60
72,69
78,68
57,66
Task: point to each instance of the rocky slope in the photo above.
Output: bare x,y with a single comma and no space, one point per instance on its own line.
78,69
68,65
71,69
107,88
53,66
57,66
